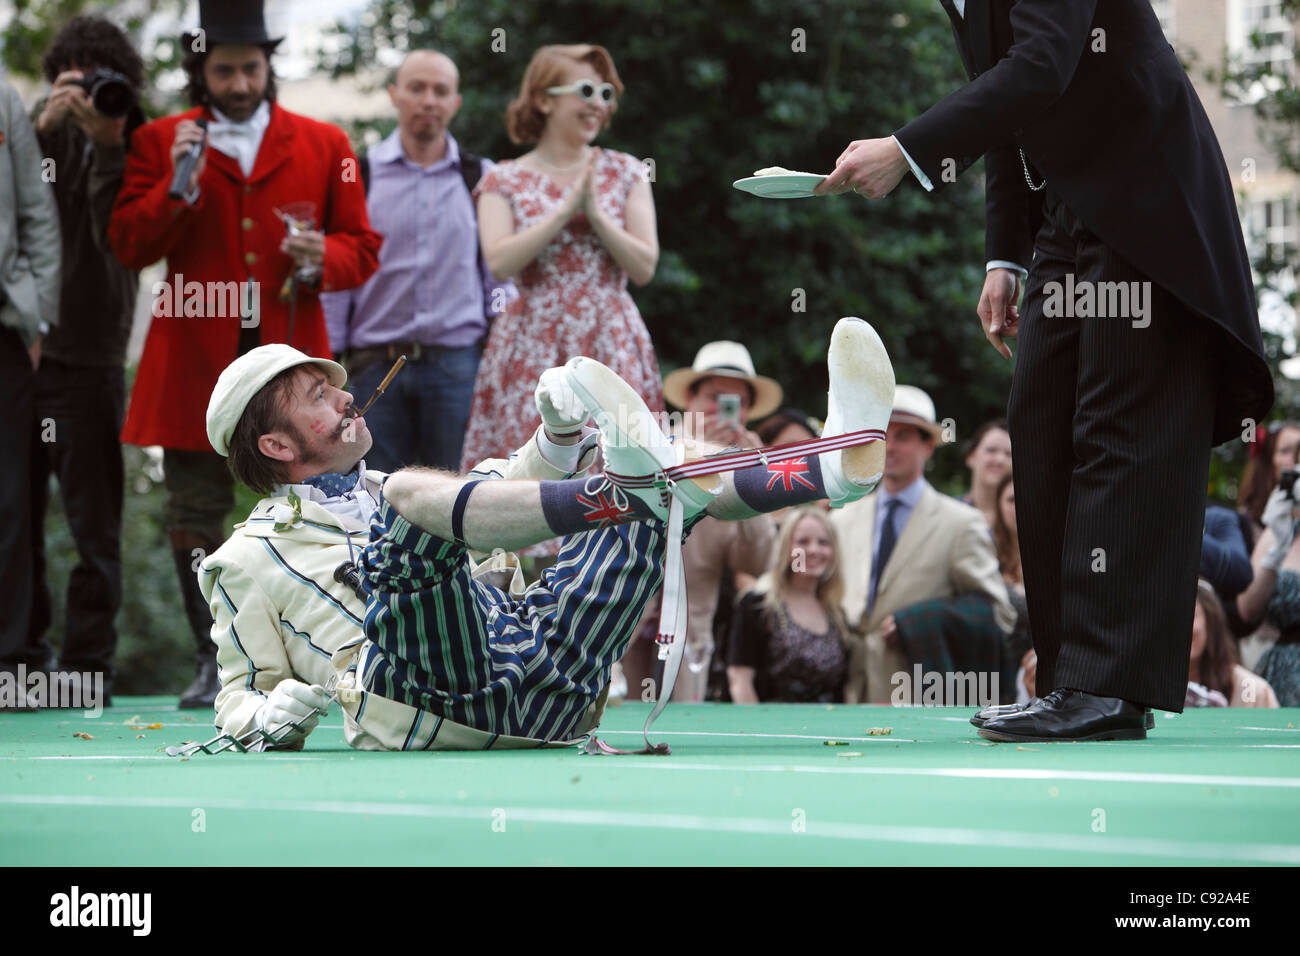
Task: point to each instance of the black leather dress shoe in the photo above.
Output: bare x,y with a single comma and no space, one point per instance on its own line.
983,716
1066,714
986,714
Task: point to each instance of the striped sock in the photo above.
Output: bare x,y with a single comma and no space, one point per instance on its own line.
585,504
781,484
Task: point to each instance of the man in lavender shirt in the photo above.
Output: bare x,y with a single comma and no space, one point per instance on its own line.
432,294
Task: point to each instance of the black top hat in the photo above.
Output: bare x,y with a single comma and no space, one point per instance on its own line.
231,21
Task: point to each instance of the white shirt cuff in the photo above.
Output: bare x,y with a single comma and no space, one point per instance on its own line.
1004,264
921,177
564,457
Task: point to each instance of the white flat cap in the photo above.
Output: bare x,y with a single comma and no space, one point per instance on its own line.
245,377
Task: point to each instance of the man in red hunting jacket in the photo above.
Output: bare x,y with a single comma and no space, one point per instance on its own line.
228,257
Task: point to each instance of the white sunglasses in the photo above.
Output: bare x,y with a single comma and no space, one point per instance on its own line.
589,91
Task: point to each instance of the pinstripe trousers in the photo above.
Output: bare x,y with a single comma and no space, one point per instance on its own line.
1110,422
453,645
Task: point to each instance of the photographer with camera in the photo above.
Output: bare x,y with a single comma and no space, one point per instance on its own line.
84,127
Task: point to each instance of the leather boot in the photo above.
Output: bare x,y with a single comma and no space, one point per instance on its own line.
202,692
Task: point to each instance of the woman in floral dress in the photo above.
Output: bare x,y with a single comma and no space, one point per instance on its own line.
571,224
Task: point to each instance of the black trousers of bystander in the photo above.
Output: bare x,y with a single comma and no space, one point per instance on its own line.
78,417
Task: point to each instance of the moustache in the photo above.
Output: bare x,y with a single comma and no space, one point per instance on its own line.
349,416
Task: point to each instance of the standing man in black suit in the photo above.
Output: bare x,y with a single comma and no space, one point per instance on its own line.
1139,343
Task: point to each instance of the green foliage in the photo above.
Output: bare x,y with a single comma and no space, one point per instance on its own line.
715,91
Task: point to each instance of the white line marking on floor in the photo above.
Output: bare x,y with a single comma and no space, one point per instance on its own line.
884,738
989,773
872,833
1281,730
277,758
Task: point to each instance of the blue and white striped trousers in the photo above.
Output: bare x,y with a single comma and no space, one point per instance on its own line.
455,646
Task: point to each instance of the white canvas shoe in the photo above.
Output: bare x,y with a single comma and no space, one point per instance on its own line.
861,397
633,444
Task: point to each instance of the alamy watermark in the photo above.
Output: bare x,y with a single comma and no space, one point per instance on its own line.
73,690
177,298
1098,300
944,688
75,908
634,429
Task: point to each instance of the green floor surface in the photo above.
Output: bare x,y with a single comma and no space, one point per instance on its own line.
745,785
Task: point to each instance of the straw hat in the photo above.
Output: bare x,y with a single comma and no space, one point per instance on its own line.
725,360
914,407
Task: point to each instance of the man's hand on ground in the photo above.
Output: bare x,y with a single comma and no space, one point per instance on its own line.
292,701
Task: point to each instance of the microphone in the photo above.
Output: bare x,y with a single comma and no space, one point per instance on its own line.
185,168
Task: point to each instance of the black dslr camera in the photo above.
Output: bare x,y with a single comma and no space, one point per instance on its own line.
110,91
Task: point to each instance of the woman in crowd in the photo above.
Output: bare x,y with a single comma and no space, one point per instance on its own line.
1215,676
1273,595
789,641
571,223
786,425
1006,541
1270,455
989,460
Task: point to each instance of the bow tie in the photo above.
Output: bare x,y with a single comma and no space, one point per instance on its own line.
221,125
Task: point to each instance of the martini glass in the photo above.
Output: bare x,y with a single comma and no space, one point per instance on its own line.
299,218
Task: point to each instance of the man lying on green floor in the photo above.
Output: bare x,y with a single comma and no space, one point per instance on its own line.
446,654
287,428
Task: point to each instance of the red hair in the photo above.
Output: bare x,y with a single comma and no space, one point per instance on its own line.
550,66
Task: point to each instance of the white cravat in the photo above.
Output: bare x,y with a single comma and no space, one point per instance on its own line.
961,8
240,141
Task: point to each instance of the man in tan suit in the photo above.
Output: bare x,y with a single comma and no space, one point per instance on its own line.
931,546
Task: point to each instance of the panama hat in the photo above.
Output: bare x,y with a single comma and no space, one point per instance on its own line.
914,407
727,360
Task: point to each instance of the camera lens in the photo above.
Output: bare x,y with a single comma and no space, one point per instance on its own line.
110,93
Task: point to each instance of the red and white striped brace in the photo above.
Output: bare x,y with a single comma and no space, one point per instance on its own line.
672,616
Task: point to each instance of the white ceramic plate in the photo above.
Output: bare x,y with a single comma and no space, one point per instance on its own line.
780,186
